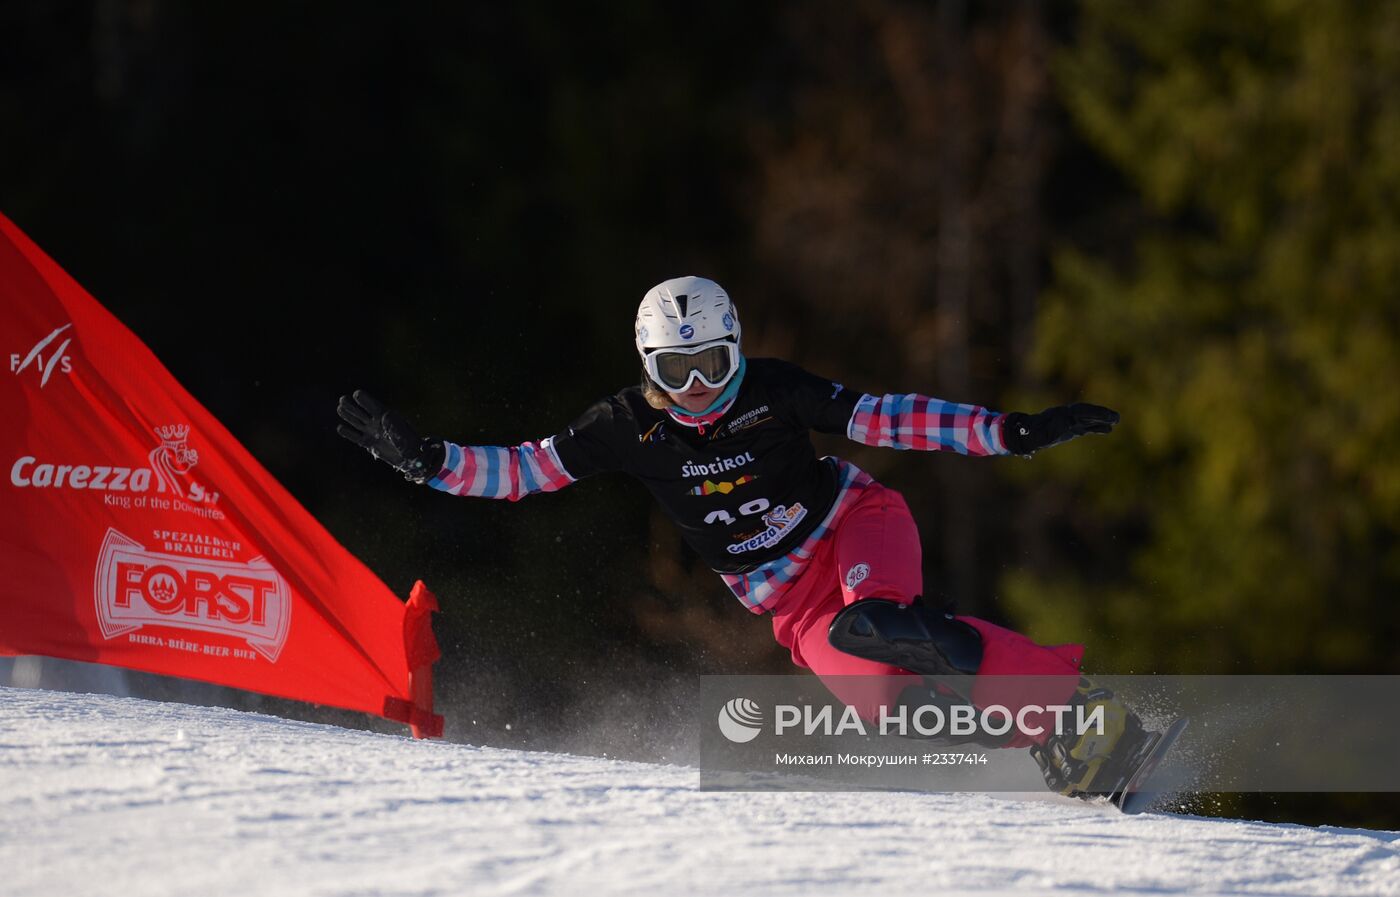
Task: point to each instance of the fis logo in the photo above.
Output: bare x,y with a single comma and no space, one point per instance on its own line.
740,720
42,361
135,588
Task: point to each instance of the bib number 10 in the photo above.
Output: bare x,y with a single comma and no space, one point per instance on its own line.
749,509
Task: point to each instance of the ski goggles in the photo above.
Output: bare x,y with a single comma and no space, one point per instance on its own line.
678,367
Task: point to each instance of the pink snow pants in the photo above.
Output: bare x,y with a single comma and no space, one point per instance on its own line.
874,552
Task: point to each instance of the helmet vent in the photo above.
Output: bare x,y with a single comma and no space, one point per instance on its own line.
685,311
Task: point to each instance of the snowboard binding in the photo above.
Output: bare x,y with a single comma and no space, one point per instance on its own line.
1095,763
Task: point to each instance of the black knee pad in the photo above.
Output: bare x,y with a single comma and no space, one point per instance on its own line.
912,636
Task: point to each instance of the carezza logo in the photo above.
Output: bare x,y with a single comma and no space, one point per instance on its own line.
169,471
173,459
42,361
135,588
777,524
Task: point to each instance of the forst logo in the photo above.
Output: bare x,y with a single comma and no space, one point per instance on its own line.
135,587
42,361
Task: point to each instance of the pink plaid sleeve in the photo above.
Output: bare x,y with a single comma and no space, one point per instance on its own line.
926,424
489,471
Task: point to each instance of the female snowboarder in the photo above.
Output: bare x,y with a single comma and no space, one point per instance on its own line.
722,441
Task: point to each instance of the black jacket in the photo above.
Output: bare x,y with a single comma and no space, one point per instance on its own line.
744,489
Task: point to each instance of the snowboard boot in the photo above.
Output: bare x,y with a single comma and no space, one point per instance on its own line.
1094,764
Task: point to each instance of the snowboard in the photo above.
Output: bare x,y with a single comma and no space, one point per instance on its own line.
1132,798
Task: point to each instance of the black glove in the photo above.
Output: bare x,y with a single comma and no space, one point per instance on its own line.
389,437
1026,434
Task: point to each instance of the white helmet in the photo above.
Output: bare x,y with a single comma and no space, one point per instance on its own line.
695,322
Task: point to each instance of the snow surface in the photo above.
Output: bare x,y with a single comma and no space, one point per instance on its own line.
106,795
